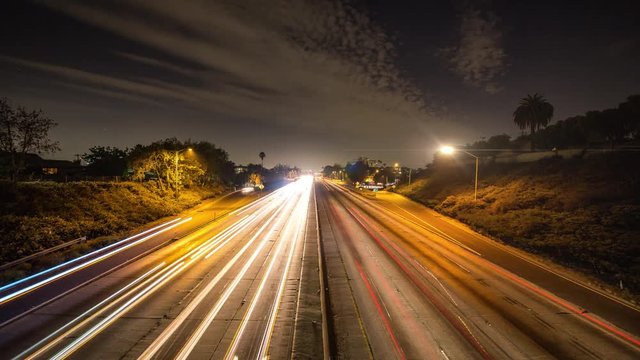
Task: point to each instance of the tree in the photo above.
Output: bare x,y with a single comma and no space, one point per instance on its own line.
22,132
215,161
159,160
106,161
631,111
533,112
358,170
262,156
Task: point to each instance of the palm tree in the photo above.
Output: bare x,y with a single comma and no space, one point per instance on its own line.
261,155
533,112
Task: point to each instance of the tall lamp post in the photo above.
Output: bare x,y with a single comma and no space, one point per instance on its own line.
448,150
176,163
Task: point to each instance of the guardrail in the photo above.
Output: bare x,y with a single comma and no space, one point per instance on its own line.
41,253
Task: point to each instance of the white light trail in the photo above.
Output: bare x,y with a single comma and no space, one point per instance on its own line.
46,271
23,354
46,281
156,281
88,335
206,322
292,240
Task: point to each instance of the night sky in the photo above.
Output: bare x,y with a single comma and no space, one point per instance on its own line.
311,82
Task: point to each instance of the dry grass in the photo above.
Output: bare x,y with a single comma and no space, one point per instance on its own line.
36,216
584,213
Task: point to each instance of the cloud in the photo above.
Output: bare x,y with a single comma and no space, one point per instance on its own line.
319,65
478,56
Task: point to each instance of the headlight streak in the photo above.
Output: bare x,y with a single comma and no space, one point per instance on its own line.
172,270
301,220
275,194
275,257
215,238
177,322
46,271
206,322
96,329
23,354
46,281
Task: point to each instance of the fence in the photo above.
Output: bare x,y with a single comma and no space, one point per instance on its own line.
42,253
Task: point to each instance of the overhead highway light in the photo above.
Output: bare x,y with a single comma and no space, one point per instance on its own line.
447,150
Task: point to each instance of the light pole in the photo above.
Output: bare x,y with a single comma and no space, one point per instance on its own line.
176,163
448,150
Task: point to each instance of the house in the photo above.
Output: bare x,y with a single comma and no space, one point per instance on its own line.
35,167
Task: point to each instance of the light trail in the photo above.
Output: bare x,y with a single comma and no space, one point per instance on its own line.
88,335
23,355
69,262
173,270
195,337
301,220
41,283
523,283
206,322
179,320
241,210
275,256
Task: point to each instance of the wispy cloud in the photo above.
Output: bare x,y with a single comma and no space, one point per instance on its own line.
312,64
157,63
478,55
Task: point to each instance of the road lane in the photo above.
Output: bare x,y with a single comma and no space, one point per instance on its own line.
509,316
50,284
160,305
590,298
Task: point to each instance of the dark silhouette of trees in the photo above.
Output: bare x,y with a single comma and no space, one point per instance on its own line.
533,112
106,161
333,171
631,110
21,132
358,170
610,127
215,162
502,141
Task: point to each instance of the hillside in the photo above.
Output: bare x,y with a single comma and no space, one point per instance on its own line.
581,212
35,216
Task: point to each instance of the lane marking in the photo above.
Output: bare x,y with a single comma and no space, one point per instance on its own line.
381,312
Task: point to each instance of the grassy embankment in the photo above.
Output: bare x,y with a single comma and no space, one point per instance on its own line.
36,216
584,213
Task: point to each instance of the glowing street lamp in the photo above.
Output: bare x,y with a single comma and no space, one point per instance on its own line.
449,150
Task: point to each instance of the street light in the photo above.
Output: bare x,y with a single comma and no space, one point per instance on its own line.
448,150
176,163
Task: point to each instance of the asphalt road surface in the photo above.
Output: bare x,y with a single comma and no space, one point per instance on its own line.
311,271
229,288
408,283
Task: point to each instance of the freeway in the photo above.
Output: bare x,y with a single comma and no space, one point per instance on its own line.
406,283
229,288
313,271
